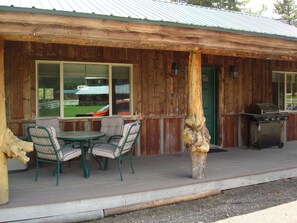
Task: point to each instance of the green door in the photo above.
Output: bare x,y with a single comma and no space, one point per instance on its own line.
210,102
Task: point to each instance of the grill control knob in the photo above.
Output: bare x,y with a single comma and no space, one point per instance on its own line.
273,119
278,118
266,119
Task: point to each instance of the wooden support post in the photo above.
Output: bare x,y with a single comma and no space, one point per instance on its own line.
10,145
196,135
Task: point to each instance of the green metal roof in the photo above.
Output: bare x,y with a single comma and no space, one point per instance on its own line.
157,12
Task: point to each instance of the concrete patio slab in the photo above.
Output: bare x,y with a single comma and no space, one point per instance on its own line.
156,178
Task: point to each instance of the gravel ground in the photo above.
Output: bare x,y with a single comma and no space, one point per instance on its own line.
230,203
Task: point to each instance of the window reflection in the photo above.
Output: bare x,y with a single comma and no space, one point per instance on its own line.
85,88
120,90
48,90
291,94
88,89
284,90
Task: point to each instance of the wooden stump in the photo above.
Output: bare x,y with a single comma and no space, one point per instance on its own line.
4,179
198,164
196,135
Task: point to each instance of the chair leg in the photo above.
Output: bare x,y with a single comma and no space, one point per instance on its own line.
98,160
56,169
58,173
106,164
37,169
120,168
131,164
90,164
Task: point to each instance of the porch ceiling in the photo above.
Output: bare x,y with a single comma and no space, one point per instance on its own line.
22,26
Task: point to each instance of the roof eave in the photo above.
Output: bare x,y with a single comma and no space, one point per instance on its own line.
142,21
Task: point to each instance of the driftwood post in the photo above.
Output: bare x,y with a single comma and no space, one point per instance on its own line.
10,145
196,135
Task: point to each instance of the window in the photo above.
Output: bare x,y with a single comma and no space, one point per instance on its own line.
284,90
48,90
71,89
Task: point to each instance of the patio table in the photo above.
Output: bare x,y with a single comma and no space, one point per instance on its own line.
81,137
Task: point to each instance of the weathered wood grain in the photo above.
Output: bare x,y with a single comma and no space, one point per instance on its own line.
172,132
150,136
69,30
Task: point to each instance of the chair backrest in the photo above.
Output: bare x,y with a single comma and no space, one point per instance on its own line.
128,140
45,142
52,122
112,125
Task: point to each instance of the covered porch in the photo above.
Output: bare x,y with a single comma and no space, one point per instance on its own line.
158,179
160,101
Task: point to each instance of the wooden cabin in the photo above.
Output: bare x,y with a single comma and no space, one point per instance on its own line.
245,59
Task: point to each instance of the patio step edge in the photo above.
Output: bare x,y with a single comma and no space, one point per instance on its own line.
73,211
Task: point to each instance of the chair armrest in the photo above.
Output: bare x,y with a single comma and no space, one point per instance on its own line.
114,137
103,143
69,145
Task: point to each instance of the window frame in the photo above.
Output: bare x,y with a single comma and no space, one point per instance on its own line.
61,76
285,73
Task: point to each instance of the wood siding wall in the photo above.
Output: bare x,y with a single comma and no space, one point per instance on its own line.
252,85
155,92
159,100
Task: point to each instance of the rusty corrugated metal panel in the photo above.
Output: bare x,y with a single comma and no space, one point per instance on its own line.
157,12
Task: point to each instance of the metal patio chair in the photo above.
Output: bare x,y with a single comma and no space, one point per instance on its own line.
52,122
119,151
48,149
112,127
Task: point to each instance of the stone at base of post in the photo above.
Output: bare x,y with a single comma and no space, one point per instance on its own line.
198,164
4,198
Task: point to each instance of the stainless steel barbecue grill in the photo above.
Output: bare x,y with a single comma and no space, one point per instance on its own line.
265,125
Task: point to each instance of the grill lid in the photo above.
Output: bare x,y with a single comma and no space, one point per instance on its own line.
264,108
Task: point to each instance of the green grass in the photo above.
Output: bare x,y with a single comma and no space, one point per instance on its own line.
43,112
69,110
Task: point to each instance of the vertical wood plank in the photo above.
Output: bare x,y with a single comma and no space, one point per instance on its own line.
291,127
169,84
26,85
235,131
172,135
268,79
137,91
257,81
239,99
228,131
229,87
248,85
221,100
96,125
158,83
150,137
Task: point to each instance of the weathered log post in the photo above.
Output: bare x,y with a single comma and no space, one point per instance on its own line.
196,135
10,145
